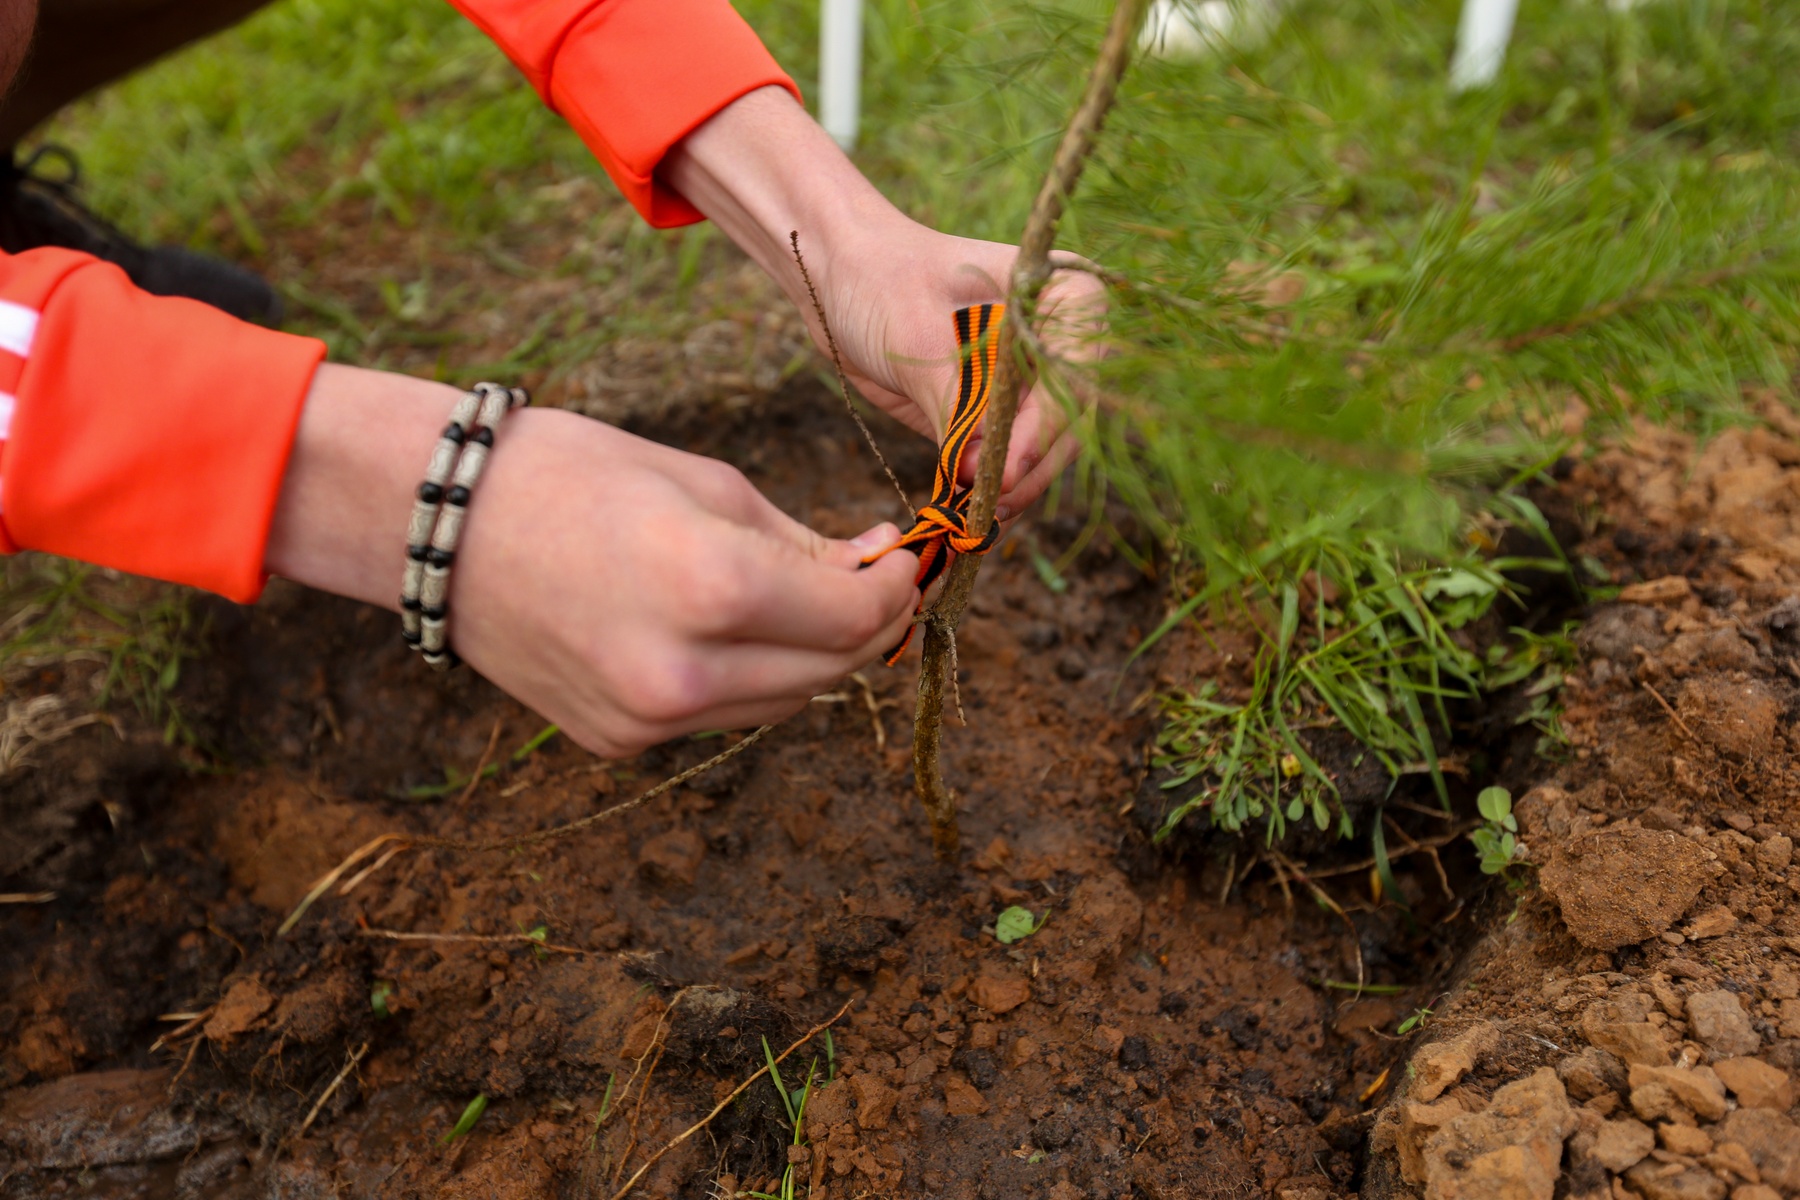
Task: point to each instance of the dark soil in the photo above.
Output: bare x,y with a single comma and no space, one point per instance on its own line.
1167,1033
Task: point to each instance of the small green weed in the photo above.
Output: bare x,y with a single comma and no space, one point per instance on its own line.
378,998
466,1122
793,1102
1497,841
1374,647
1416,1021
1016,923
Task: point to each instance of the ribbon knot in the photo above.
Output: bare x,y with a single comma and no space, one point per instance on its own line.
940,530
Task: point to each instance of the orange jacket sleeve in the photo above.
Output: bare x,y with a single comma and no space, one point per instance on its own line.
633,77
152,434
141,432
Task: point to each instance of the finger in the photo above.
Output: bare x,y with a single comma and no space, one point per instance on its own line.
792,600
1026,490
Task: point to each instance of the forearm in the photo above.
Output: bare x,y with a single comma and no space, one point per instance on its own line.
762,168
361,448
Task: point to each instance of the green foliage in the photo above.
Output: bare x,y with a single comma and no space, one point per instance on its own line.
62,611
1497,841
1016,924
1375,648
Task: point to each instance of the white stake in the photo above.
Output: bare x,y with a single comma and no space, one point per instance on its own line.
840,69
1481,41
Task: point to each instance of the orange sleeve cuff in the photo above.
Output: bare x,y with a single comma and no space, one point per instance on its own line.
633,77
149,434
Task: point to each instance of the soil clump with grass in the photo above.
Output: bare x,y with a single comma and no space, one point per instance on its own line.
1632,1027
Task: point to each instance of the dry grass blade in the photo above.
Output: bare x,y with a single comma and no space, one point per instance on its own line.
478,939
722,1105
332,876
26,897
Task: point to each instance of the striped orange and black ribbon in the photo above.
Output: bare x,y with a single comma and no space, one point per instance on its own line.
941,530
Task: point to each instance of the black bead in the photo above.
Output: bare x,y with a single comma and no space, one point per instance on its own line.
457,497
439,558
411,638
455,433
417,553
483,436
431,493
410,603
435,614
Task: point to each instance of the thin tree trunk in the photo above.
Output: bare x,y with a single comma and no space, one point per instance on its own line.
1031,272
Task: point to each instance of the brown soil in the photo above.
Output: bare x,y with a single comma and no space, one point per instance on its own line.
1634,1028
1149,1040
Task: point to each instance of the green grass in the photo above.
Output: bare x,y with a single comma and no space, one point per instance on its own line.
105,642
1352,309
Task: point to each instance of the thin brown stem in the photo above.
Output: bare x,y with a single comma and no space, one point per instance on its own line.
1031,271
837,363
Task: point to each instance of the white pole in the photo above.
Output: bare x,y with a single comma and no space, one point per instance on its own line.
1481,41
840,69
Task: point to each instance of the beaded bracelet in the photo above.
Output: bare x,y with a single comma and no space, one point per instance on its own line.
439,508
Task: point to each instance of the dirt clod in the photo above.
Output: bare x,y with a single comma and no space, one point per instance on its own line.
1622,1143
673,858
1771,1140
1000,994
1719,1021
1440,1064
1619,886
1511,1148
1756,1084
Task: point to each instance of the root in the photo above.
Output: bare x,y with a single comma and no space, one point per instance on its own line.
1324,898
722,1105
480,765
356,1056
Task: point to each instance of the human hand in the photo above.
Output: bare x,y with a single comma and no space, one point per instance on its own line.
761,168
889,293
627,591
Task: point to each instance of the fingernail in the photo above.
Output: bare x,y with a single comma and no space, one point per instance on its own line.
874,539
1002,512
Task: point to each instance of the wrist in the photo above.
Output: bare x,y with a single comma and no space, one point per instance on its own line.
761,168
364,437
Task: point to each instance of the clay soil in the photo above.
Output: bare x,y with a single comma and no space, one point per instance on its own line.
1633,1026
1176,1028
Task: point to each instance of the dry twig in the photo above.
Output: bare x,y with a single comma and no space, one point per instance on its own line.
356,1056
837,364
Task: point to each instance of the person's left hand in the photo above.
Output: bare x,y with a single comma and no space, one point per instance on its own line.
889,286
890,295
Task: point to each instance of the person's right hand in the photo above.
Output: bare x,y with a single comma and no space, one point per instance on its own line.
626,591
